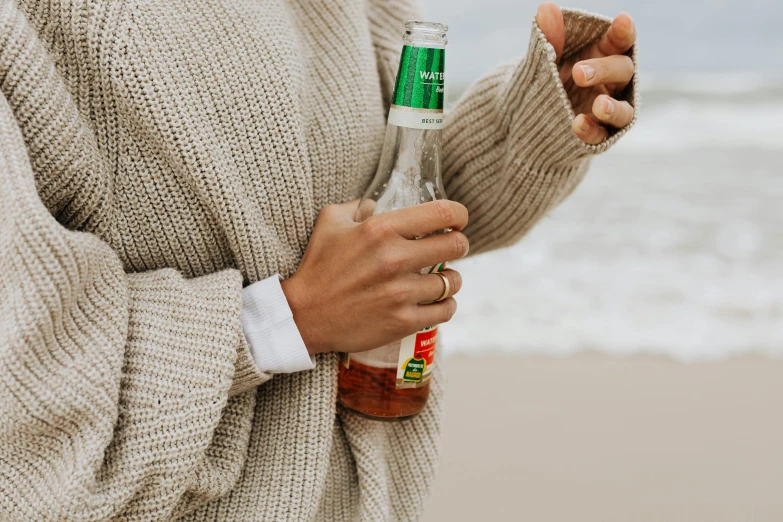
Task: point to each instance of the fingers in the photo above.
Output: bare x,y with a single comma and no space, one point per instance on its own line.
341,211
550,20
424,219
612,112
435,249
620,37
606,110
588,130
365,210
426,288
598,71
435,313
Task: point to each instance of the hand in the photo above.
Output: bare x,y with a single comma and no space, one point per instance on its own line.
358,286
595,75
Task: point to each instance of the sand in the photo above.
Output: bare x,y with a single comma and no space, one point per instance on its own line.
593,438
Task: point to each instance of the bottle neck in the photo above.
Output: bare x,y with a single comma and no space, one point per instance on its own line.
419,92
425,34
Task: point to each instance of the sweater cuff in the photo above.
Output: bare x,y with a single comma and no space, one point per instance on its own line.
187,331
247,374
537,105
275,342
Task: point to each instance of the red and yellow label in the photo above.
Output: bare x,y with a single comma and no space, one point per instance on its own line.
417,358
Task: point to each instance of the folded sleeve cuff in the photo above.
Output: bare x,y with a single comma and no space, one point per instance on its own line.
272,335
247,374
536,94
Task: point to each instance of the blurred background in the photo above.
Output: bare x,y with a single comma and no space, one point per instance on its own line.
624,361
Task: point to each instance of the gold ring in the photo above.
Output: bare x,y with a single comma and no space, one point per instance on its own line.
447,288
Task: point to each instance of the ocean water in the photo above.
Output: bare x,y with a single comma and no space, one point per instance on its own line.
672,245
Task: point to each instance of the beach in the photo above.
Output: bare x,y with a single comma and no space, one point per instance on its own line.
596,438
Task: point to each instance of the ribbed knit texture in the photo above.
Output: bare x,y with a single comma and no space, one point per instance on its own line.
155,156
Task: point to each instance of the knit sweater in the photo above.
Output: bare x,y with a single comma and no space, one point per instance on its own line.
155,157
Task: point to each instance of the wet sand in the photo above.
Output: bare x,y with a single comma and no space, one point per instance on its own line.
593,438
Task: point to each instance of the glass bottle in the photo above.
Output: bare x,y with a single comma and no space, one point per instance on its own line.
392,382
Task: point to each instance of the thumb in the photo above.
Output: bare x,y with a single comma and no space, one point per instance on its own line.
550,20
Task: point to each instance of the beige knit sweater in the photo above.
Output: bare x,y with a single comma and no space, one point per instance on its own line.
156,155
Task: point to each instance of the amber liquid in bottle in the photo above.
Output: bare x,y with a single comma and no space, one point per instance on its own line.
372,392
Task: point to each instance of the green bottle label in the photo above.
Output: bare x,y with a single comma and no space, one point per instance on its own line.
417,101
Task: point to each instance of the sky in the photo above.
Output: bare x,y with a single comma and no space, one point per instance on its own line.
674,36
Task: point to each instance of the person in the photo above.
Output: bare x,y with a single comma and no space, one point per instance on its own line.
165,164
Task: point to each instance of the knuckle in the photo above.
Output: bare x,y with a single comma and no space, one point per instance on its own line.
448,310
397,294
601,69
377,230
601,108
326,212
445,212
405,319
461,245
455,280
392,261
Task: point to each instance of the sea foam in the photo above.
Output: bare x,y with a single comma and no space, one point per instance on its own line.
672,244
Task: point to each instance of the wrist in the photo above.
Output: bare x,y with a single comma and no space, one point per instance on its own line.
298,300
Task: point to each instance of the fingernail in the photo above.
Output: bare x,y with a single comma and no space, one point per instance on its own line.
588,71
609,109
585,125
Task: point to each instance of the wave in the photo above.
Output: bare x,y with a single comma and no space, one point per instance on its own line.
716,83
678,124
673,254
717,110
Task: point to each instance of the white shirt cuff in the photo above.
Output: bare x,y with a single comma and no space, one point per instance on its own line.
270,330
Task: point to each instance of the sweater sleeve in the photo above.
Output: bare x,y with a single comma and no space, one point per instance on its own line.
120,394
113,386
510,155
